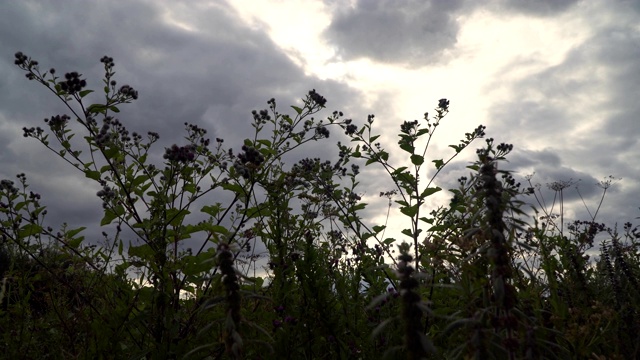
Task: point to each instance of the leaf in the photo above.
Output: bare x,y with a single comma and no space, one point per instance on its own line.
215,229
75,242
96,109
212,210
378,228
92,174
264,142
114,109
429,191
410,211
139,180
389,241
458,148
84,93
143,251
399,170
176,216
110,215
29,230
190,188
407,232
297,109
408,148
417,159
74,232
439,163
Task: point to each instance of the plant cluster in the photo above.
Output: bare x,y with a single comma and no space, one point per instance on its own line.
476,278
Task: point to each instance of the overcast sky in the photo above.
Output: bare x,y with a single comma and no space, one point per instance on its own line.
560,79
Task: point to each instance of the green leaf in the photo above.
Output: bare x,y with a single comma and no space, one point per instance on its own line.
407,232
195,265
29,230
399,170
216,229
212,210
176,216
429,191
84,93
439,163
410,211
92,174
143,251
139,180
96,109
297,109
75,242
417,159
389,241
74,232
114,109
110,215
378,228
190,188
407,147
264,142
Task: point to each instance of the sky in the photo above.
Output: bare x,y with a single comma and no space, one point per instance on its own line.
559,79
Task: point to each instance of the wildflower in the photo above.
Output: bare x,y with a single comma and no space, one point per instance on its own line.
73,83
317,98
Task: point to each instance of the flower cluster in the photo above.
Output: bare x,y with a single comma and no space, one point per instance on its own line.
322,132
110,127
107,61
57,123
35,132
443,104
249,159
261,117
22,59
128,92
350,129
73,84
317,98
7,185
183,154
107,194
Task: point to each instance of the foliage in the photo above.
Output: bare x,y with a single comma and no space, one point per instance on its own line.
179,274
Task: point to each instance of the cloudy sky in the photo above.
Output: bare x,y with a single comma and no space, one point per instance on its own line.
560,79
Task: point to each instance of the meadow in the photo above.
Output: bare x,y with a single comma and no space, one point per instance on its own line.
482,277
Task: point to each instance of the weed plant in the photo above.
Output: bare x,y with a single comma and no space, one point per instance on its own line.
476,278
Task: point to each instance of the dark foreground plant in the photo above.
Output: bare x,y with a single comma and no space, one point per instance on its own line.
474,280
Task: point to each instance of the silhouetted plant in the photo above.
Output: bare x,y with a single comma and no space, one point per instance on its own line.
476,278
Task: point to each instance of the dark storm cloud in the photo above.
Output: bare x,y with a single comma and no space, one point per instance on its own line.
413,32
538,7
585,109
212,73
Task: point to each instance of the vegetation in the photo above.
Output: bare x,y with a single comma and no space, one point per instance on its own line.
178,273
